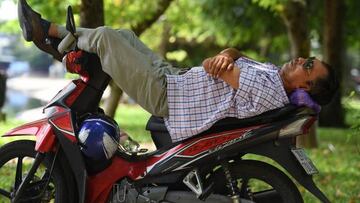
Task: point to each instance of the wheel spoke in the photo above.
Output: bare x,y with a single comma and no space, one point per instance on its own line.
5,193
18,176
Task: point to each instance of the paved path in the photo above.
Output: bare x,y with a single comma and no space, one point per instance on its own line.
41,88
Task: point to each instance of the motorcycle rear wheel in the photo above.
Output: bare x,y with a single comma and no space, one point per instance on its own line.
15,161
260,182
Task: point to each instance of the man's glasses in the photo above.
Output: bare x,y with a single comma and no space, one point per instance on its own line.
309,63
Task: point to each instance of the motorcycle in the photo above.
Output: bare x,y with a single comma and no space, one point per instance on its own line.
210,167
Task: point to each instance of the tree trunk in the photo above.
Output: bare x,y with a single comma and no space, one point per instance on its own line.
333,114
92,13
164,39
112,102
297,25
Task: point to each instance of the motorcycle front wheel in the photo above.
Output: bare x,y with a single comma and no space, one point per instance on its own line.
16,159
259,182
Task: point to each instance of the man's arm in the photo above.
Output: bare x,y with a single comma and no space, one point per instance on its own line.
231,77
222,66
222,62
232,53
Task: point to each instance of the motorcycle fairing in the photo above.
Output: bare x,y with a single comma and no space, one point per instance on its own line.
63,123
41,129
58,99
60,118
32,128
99,185
80,86
207,143
192,150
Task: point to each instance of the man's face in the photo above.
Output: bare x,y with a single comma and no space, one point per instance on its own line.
301,73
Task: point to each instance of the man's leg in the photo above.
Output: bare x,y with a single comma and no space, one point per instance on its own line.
61,32
133,66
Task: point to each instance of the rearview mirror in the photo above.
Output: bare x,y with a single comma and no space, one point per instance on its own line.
70,22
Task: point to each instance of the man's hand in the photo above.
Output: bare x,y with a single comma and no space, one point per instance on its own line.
218,64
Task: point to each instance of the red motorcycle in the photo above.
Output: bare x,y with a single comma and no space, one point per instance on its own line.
210,167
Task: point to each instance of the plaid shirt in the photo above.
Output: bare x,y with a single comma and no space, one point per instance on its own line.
196,100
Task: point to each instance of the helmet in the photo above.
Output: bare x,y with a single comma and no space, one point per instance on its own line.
99,135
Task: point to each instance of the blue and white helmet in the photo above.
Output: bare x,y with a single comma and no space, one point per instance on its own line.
100,136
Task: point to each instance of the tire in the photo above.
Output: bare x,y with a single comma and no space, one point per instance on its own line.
281,188
9,160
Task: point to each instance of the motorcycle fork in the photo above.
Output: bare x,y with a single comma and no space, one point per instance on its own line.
39,158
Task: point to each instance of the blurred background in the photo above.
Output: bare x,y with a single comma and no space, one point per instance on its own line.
187,31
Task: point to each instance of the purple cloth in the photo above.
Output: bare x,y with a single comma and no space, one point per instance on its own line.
300,97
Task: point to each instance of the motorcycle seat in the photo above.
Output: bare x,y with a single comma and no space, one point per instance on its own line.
161,136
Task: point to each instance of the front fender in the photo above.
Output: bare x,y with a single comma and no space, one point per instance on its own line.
41,129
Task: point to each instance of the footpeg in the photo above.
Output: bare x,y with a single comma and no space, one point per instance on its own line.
193,181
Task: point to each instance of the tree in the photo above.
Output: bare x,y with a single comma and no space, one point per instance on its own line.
92,13
333,46
296,21
203,28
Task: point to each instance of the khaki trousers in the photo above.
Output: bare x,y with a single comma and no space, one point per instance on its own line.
136,69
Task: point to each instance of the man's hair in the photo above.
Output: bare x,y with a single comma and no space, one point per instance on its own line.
325,88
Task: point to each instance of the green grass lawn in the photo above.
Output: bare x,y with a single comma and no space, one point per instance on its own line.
337,158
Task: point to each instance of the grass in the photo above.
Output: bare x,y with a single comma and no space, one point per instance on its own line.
337,158
133,119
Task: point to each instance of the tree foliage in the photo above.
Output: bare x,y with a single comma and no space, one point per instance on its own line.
191,30
352,22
